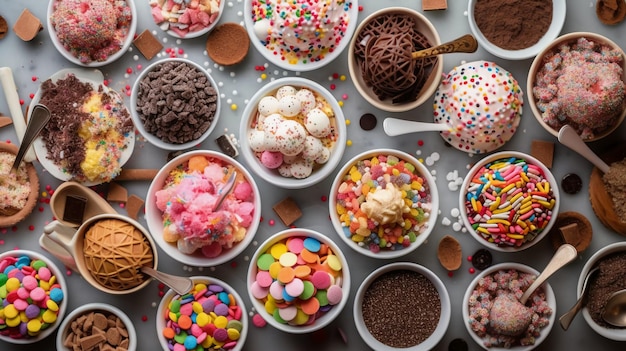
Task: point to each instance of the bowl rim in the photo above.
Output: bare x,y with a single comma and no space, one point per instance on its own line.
154,140
154,219
132,29
33,179
328,317
198,33
96,306
356,77
60,275
612,334
170,294
502,155
271,176
434,211
537,64
444,297
353,13
556,26
550,298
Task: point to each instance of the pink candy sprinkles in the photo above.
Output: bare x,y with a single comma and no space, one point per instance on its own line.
509,201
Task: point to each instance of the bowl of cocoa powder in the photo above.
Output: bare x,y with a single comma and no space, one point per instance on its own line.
518,29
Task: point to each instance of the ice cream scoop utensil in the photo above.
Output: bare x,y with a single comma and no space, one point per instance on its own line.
38,120
466,43
564,255
15,109
566,319
615,310
225,190
571,139
395,126
181,285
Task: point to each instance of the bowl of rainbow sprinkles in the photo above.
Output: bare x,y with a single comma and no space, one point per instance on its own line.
300,35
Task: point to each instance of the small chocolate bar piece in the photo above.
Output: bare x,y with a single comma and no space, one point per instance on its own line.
227,146
74,209
27,26
543,151
147,44
429,5
288,211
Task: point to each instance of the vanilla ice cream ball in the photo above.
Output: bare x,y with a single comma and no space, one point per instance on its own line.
313,148
317,123
285,90
285,170
481,103
270,142
290,159
290,136
271,122
268,105
324,156
289,105
307,100
301,169
256,139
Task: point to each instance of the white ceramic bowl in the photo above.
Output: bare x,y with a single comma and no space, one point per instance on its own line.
274,55
190,34
327,317
540,60
104,308
155,221
428,223
558,19
170,295
60,278
423,26
153,139
550,299
609,333
320,171
33,179
444,299
112,58
554,187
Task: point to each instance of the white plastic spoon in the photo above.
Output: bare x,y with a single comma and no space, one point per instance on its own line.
571,139
395,126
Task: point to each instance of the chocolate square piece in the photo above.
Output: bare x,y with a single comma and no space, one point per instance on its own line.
147,44
429,5
288,211
227,146
27,26
133,205
543,151
74,209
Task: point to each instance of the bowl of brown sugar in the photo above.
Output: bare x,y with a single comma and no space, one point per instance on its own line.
518,29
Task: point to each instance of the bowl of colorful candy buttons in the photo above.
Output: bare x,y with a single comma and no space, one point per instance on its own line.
298,280
96,326
417,316
509,201
33,293
212,316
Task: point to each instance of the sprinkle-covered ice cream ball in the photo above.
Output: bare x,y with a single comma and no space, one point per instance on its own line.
317,123
268,105
285,90
482,103
307,100
290,136
289,105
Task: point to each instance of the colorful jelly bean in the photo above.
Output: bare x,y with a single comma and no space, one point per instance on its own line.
207,318
298,280
509,201
377,174
30,297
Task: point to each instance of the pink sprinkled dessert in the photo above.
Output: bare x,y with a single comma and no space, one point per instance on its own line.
192,215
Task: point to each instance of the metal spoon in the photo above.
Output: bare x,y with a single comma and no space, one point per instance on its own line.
225,190
181,285
38,119
615,310
566,319
564,255
571,139
395,126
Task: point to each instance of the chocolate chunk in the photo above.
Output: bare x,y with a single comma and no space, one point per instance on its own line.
147,44
5,121
368,121
429,5
27,26
481,259
74,209
227,146
458,344
288,211
543,151
571,228
4,27
571,183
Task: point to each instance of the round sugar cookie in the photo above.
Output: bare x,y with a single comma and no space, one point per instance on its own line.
228,44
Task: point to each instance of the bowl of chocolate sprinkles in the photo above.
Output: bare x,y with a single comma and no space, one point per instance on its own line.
518,29
402,306
610,278
175,104
379,67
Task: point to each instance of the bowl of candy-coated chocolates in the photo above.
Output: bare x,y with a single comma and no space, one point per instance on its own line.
40,296
298,280
509,201
383,203
211,316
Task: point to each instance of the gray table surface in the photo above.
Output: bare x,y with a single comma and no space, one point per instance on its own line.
39,59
